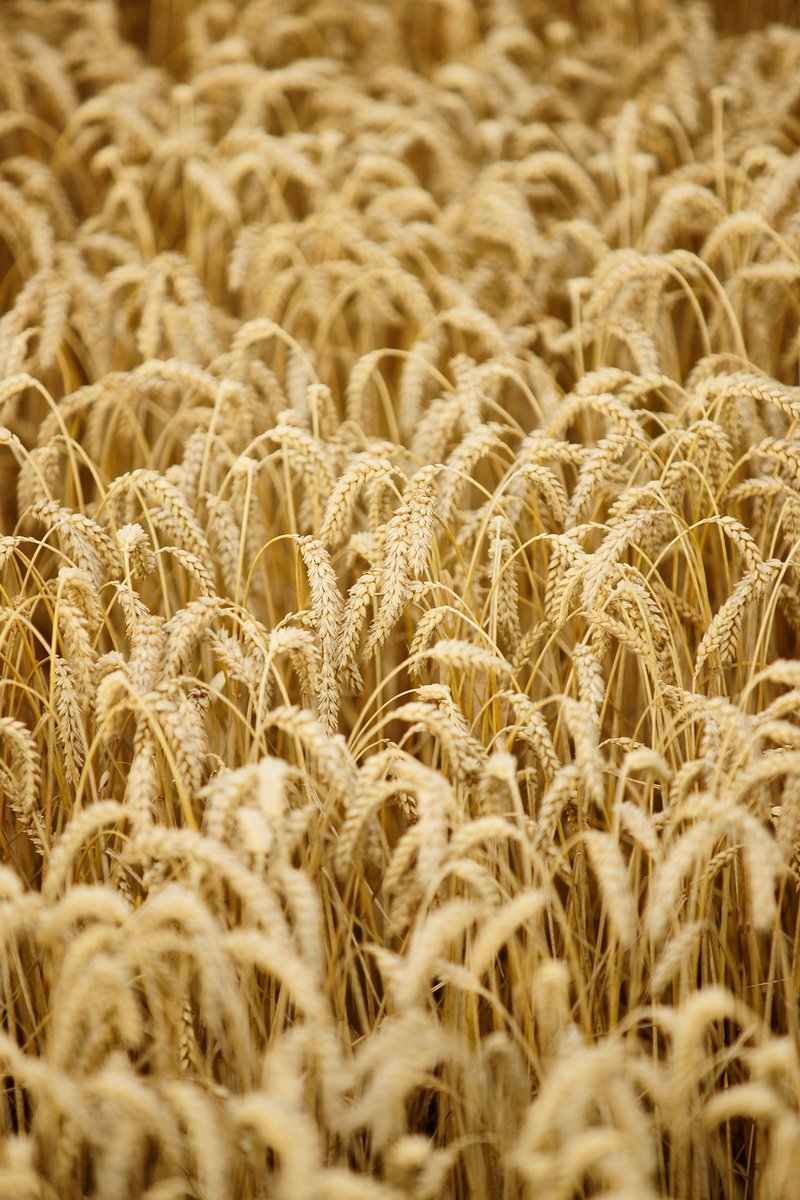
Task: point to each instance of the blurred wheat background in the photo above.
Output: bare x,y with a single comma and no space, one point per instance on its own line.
399,600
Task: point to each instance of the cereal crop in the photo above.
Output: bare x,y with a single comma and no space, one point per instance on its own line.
399,600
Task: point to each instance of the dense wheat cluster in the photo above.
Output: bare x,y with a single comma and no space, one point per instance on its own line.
400,580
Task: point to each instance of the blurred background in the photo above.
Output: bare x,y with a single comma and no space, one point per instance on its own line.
158,26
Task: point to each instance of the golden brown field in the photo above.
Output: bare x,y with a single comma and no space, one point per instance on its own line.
399,600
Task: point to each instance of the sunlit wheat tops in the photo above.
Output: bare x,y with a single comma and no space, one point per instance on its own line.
399,600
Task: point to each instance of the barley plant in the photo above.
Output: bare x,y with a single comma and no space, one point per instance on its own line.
399,600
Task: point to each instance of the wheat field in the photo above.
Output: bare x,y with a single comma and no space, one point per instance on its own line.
399,600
